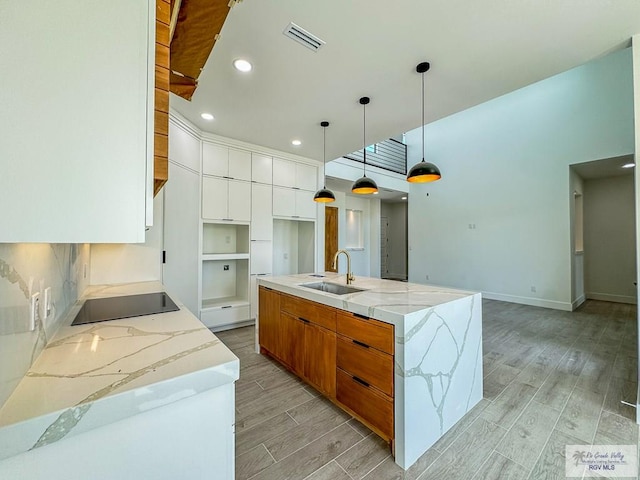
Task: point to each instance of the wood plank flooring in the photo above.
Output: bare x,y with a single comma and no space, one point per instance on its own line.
551,378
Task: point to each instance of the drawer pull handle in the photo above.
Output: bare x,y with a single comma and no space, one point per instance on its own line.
360,343
304,320
360,381
361,316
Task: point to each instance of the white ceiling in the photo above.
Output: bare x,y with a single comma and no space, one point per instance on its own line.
607,167
478,49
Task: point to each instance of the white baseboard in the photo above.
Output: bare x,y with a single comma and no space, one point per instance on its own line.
607,297
578,301
535,302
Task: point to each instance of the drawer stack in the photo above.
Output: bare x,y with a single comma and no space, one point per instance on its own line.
364,376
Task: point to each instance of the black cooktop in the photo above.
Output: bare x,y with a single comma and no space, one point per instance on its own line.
111,308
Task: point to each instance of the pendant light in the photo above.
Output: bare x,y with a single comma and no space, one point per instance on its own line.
423,172
324,195
364,184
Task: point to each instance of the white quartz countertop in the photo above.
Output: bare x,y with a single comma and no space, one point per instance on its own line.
385,300
94,374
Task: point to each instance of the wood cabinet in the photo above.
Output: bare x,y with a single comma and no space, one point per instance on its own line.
347,357
85,72
161,104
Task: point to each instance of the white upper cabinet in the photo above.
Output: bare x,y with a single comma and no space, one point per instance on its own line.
261,168
288,202
76,110
284,173
225,162
224,199
184,148
306,177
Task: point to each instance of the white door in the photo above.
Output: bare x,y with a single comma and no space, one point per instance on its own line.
384,247
261,168
284,201
239,164
215,198
239,201
261,212
215,160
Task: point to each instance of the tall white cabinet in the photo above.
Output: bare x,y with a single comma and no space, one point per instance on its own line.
84,72
231,190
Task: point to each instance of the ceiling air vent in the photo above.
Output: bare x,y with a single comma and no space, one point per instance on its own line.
303,37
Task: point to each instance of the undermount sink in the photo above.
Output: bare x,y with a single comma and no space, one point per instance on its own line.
334,288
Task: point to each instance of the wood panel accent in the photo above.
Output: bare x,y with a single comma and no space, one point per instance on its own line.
374,407
320,358
368,364
268,320
376,334
161,104
330,237
311,311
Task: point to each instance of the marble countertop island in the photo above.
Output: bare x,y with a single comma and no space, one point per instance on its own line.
438,349
96,374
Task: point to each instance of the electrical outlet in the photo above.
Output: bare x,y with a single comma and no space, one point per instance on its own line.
286,256
227,239
533,289
33,310
226,267
47,302
427,277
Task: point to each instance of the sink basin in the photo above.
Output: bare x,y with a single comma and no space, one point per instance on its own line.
334,288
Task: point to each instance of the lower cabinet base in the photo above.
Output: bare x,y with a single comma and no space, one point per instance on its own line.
374,410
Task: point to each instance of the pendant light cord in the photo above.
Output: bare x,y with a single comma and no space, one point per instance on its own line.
423,116
324,156
364,137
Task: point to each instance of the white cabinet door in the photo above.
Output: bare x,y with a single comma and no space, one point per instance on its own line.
215,160
240,164
305,206
284,173
83,178
184,148
306,177
215,198
239,204
284,202
261,212
261,257
261,168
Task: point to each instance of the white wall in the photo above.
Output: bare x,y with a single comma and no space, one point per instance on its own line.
505,167
396,213
609,239
26,269
365,262
135,262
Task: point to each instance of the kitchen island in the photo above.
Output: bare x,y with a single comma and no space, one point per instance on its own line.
435,351
144,397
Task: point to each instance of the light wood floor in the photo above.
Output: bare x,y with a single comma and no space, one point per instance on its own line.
551,378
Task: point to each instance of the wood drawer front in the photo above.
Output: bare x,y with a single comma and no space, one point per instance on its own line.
368,364
371,332
311,311
365,401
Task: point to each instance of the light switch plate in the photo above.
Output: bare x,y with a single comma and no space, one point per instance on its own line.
47,302
33,310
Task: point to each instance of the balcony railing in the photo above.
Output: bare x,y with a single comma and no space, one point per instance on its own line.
389,154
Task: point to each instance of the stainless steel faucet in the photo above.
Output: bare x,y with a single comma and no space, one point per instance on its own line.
350,277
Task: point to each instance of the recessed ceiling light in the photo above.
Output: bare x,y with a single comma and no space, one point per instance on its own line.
242,65
296,143
628,165
207,116
404,198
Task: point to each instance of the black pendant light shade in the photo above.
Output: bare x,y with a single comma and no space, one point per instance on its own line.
423,172
364,184
324,195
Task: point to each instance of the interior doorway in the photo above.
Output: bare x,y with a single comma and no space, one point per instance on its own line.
330,237
394,239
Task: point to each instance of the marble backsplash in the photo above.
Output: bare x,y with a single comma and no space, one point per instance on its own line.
26,268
